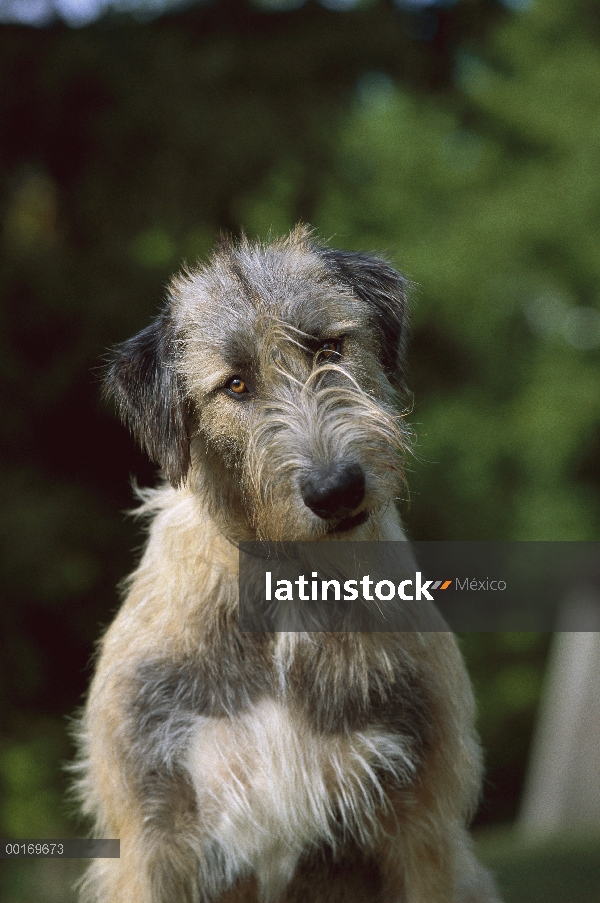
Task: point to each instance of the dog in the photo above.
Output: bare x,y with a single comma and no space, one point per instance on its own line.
273,767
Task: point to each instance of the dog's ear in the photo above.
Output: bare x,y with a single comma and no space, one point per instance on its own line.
385,290
143,380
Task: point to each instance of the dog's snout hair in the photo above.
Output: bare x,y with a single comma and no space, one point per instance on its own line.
314,440
273,768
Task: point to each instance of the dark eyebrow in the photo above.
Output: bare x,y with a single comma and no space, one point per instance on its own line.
237,351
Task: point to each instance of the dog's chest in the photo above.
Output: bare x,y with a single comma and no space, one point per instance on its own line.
269,787
297,768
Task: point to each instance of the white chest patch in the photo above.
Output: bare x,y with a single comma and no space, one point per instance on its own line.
268,788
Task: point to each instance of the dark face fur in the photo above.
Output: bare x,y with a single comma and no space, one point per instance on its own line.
268,385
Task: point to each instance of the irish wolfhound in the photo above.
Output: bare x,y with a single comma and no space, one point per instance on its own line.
281,767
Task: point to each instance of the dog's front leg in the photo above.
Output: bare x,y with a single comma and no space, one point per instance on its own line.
137,789
428,862
417,867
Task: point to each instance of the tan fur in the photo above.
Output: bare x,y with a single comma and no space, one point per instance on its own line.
253,767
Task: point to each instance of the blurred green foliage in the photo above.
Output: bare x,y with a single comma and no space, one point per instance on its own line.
467,145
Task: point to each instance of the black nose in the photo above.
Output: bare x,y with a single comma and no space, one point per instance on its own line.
334,492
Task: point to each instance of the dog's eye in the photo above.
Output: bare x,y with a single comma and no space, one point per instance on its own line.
330,349
237,385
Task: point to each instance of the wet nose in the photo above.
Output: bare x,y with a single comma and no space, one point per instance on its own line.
334,492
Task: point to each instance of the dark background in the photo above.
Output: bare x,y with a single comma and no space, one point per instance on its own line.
461,138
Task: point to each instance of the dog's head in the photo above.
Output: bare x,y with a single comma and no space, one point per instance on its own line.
269,382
